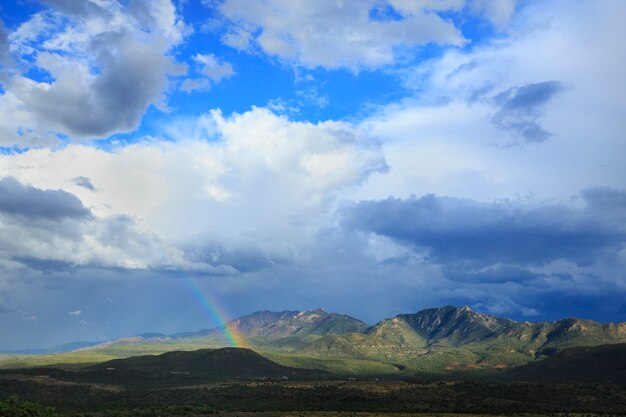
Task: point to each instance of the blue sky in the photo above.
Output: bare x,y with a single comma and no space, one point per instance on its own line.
371,158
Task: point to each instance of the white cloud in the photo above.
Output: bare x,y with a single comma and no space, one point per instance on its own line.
253,185
103,65
497,11
212,71
75,312
444,140
333,34
213,67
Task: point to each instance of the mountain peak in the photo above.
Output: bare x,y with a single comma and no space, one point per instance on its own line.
454,325
291,323
313,313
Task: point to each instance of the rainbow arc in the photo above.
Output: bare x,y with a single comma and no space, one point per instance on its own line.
216,313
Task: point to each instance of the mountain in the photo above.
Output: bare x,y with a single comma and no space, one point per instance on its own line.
598,364
204,363
434,340
457,338
453,325
283,324
461,326
296,323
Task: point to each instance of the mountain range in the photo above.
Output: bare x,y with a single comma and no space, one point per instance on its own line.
446,339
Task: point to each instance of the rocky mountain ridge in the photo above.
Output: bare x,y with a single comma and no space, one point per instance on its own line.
444,337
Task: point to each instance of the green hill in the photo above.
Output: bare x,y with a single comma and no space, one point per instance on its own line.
204,363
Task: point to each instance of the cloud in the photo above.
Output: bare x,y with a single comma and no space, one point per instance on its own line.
223,196
453,230
498,12
75,312
84,182
213,70
493,274
26,316
5,53
102,65
213,67
21,200
192,84
330,34
51,231
444,140
520,107
82,9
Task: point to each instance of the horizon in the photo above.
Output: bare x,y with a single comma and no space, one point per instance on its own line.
174,164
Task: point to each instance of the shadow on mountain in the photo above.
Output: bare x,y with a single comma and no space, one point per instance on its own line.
604,364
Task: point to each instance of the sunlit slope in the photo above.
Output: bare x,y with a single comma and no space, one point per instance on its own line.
437,340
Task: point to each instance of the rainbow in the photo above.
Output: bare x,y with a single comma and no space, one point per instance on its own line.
213,310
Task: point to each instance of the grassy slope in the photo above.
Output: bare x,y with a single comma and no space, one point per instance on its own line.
390,347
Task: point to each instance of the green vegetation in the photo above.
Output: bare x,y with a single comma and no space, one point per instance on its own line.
443,341
410,396
14,407
598,364
340,366
226,381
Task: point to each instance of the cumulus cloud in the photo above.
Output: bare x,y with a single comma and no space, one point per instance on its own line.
75,312
103,64
353,35
225,195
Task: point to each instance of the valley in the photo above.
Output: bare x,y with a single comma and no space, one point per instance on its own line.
448,359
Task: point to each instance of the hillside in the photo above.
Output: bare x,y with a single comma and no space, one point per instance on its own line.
458,338
598,364
204,363
296,323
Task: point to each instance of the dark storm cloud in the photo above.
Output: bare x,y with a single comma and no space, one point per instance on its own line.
44,265
455,230
84,182
31,202
4,44
241,258
496,275
606,200
519,110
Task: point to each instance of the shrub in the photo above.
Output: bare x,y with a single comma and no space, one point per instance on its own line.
14,407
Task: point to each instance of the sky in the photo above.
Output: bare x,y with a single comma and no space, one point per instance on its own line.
370,158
